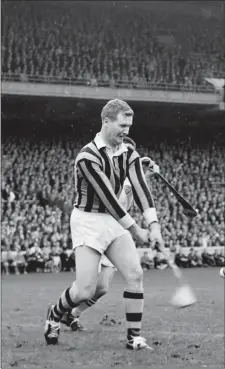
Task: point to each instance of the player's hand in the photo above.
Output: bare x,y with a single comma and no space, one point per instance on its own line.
140,235
154,168
143,236
155,236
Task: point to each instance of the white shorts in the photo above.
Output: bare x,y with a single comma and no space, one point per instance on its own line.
105,261
95,230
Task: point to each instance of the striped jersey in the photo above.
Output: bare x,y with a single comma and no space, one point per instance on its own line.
99,179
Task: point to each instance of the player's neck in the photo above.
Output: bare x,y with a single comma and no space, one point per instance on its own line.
108,143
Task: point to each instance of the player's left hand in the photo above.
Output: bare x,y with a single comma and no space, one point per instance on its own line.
155,236
154,168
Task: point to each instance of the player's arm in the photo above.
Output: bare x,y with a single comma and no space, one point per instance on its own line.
141,192
143,198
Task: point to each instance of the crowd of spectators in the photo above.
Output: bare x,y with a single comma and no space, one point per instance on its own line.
109,42
192,259
36,257
47,259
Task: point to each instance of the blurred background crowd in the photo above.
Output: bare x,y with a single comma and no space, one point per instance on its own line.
107,43
114,43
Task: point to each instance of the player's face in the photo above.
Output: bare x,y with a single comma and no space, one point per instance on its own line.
119,128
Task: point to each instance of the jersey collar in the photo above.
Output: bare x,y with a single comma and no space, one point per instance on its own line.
100,143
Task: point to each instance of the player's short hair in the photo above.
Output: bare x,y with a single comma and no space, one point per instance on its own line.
129,142
114,107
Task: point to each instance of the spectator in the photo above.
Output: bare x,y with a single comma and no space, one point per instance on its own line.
46,251
65,258
181,260
207,258
35,260
21,259
191,261
218,258
4,261
194,258
146,261
7,194
197,258
159,261
12,260
72,262
55,257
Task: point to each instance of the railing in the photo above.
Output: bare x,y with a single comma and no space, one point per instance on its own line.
145,85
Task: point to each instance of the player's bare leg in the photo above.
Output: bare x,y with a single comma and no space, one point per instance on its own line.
87,262
123,254
104,280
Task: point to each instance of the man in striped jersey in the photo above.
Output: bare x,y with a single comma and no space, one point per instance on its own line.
106,268
99,224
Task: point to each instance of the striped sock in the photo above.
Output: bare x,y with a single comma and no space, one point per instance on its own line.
65,304
77,311
134,304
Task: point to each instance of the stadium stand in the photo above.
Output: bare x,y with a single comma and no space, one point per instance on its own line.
91,44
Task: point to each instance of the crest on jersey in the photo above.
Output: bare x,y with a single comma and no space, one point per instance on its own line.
127,189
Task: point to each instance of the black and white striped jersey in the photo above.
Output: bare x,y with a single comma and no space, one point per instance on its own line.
99,179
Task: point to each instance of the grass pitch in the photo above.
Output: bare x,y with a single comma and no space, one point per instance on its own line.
191,338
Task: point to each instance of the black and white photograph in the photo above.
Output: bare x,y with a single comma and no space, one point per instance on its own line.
112,184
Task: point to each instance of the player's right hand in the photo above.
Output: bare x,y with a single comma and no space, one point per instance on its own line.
143,236
140,235
155,237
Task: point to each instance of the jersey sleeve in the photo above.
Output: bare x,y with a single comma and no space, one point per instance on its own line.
141,192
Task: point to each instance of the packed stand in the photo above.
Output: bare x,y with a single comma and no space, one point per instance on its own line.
194,258
38,195
197,173
108,43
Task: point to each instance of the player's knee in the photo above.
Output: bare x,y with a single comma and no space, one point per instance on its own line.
135,277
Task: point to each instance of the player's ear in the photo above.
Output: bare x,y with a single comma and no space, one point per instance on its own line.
105,120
